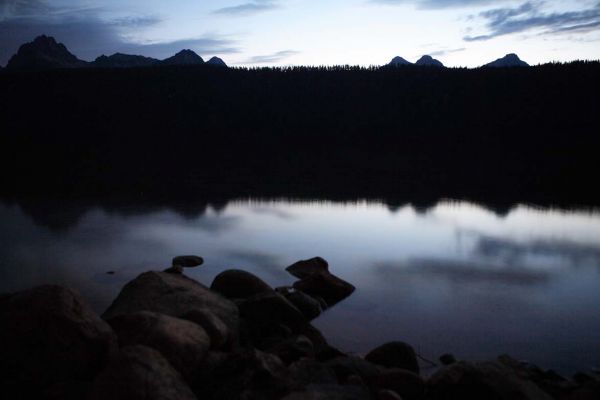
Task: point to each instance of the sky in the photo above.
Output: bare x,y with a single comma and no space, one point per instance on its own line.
465,33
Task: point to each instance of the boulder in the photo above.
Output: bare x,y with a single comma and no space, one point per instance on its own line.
215,328
139,372
485,380
238,284
307,305
345,366
330,392
306,371
306,268
270,309
394,355
406,383
187,261
331,288
290,349
183,343
48,334
174,295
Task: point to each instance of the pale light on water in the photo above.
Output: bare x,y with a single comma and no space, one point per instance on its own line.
456,278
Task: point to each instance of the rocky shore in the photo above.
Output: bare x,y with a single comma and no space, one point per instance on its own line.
167,336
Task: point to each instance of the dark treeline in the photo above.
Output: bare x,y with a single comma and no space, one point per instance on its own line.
505,135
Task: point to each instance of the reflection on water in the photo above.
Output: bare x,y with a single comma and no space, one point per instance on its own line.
453,278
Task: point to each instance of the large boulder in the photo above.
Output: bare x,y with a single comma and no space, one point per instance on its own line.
183,343
238,284
139,372
271,309
174,295
48,334
216,329
305,268
328,286
484,380
395,355
408,384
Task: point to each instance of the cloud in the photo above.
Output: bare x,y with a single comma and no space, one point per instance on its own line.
443,52
438,4
529,16
87,34
249,8
271,58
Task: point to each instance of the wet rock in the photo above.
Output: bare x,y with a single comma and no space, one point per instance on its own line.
307,305
48,334
394,355
216,329
406,383
447,359
306,371
238,284
486,380
345,366
139,372
330,392
183,343
331,288
187,261
306,268
270,309
174,295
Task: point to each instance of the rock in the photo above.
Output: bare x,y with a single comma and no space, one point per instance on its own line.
394,355
48,334
174,295
330,392
183,343
139,372
215,328
486,380
408,384
331,288
305,268
386,394
307,305
270,309
290,349
447,359
345,366
175,269
305,372
188,261
238,284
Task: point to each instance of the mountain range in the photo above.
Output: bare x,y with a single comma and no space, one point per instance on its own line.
44,52
509,60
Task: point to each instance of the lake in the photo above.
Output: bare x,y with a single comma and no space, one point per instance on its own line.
453,277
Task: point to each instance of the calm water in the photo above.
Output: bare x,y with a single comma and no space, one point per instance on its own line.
455,278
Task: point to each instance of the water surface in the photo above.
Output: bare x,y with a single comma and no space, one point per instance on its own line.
452,278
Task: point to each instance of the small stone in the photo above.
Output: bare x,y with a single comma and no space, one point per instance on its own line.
188,261
175,269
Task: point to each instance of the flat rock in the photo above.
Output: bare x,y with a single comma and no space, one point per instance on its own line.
331,288
49,334
183,343
238,284
187,261
305,268
395,355
140,373
174,295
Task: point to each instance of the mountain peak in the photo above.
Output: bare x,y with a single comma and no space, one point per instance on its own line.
184,57
509,60
120,60
217,62
429,61
399,61
44,52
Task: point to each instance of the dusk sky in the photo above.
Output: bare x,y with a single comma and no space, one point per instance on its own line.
301,32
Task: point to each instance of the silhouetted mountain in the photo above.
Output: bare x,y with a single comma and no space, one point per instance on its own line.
399,61
119,60
184,57
216,62
429,61
509,60
44,52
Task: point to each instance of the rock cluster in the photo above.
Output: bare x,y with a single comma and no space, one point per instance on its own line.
167,336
